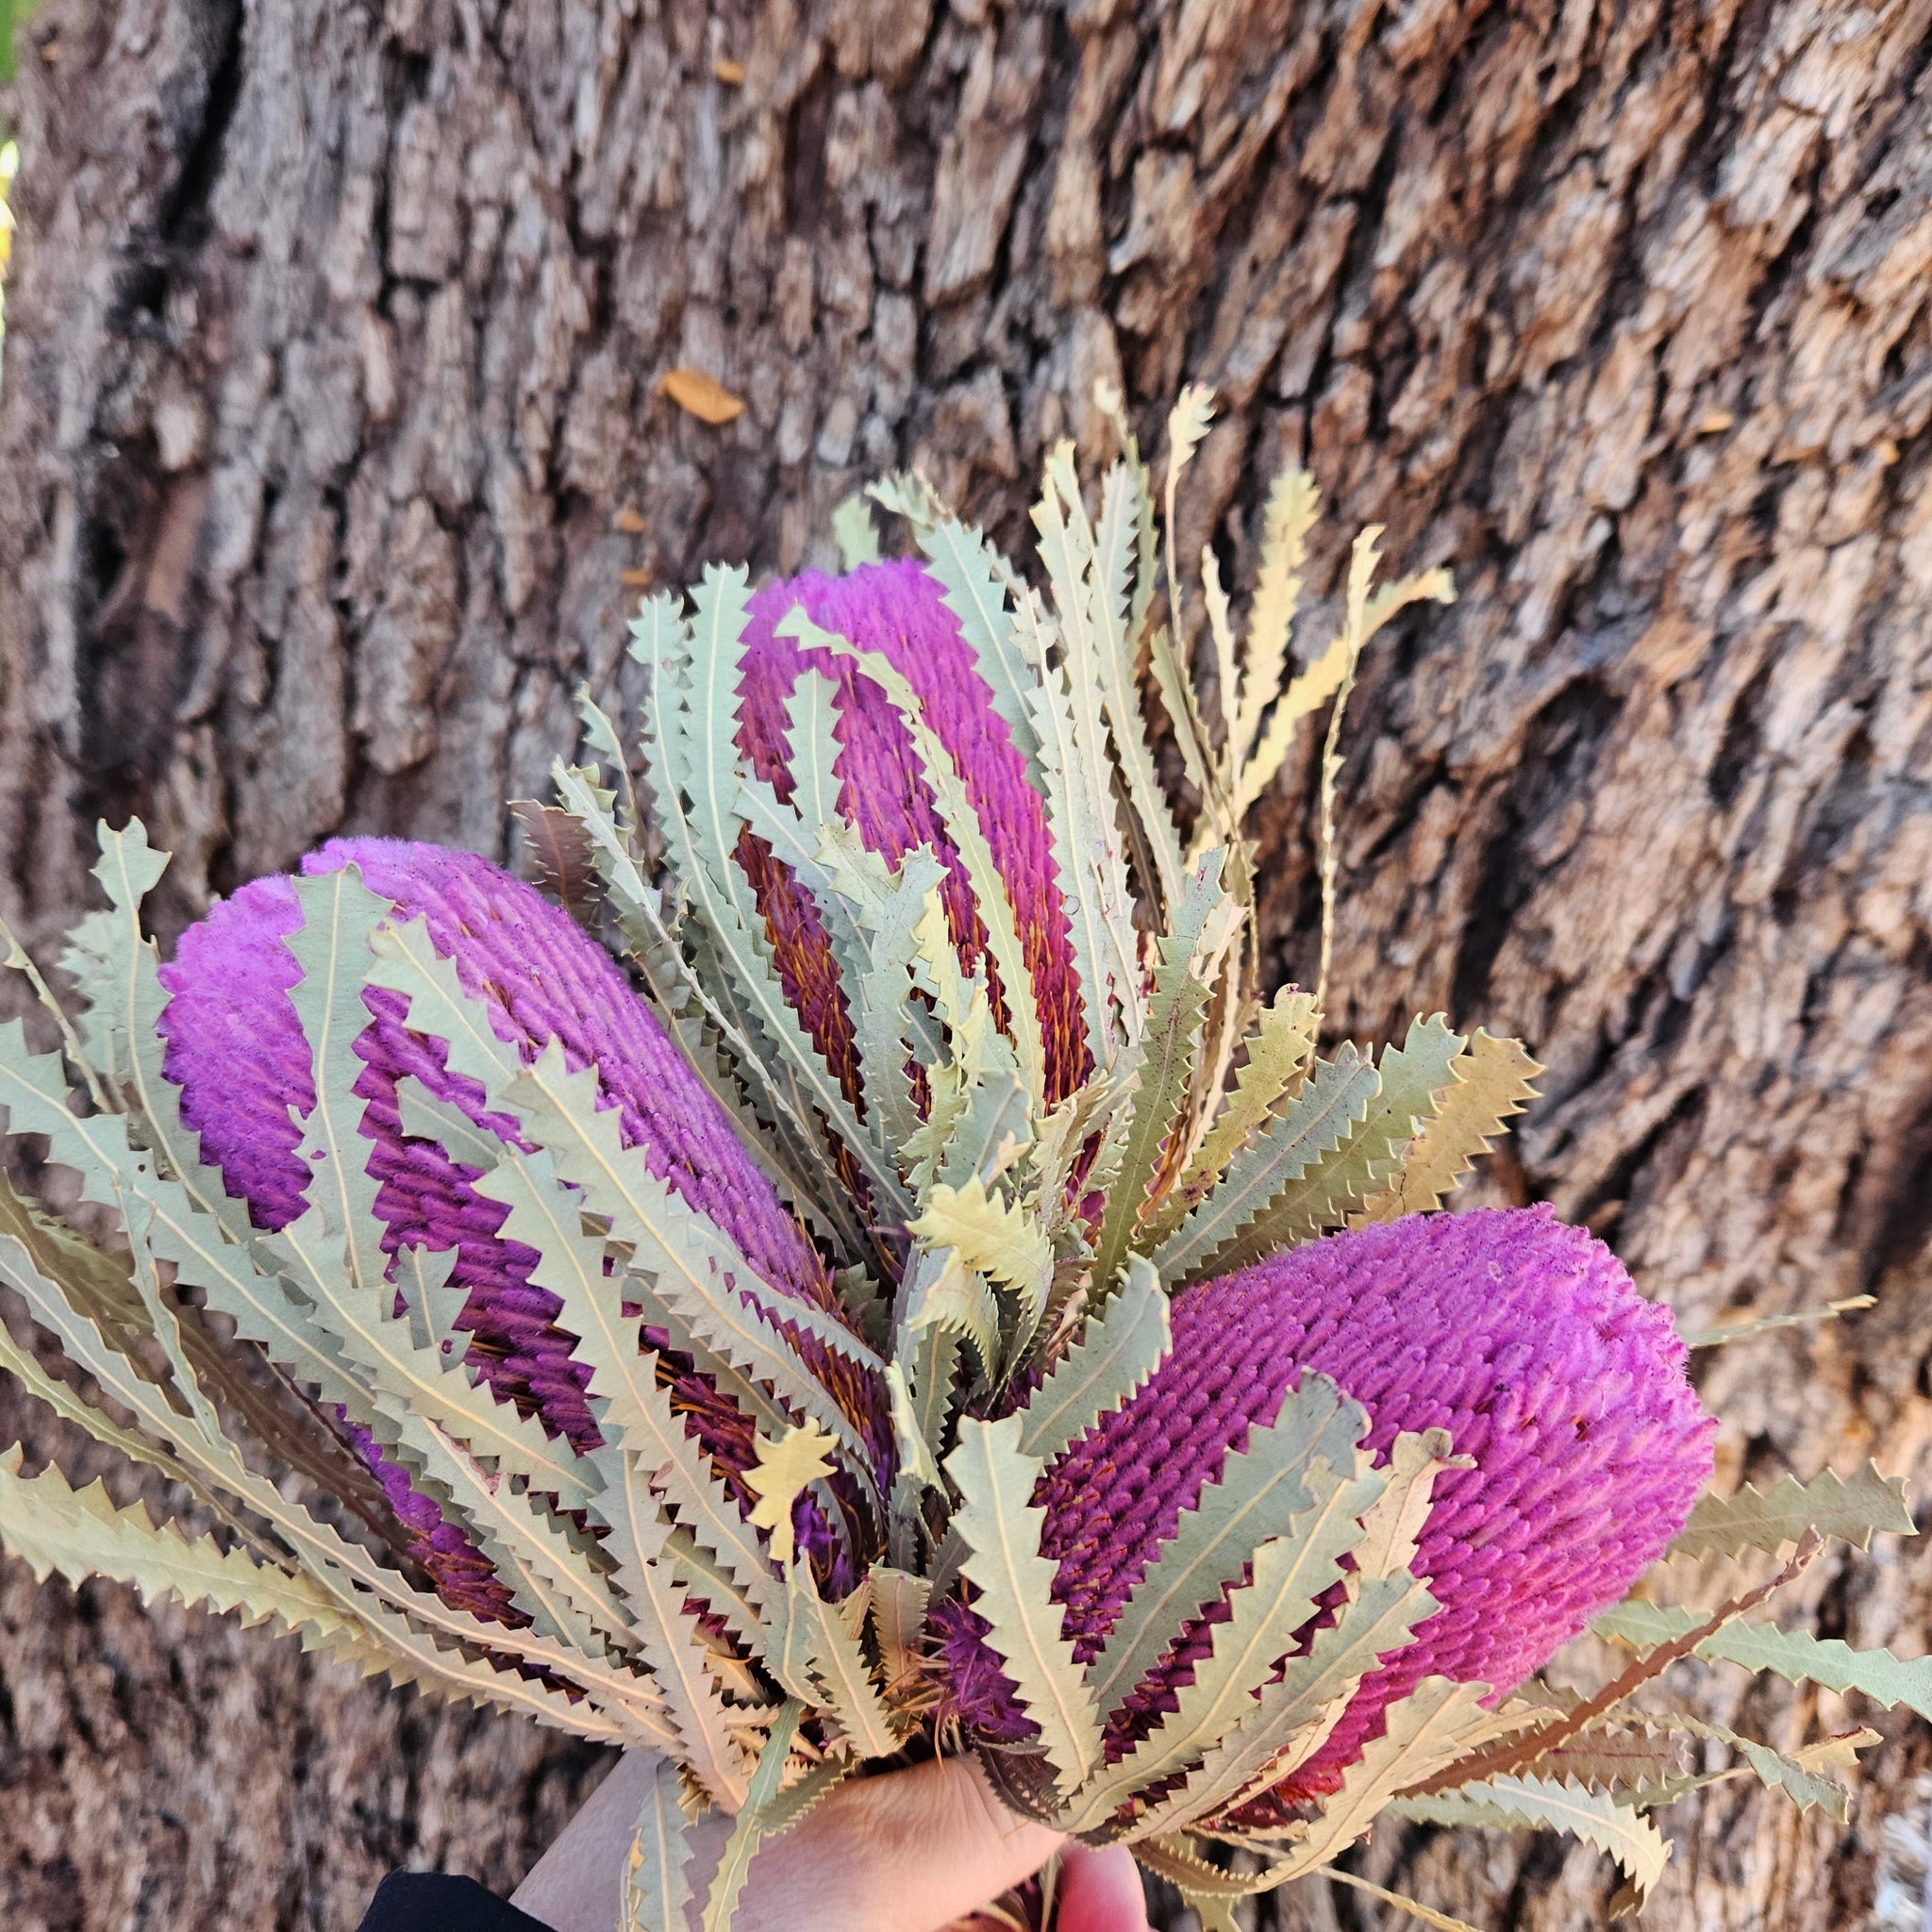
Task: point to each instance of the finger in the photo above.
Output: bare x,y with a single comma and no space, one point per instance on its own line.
907,1851
1100,1890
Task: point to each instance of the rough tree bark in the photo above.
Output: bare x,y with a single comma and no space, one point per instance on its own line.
330,449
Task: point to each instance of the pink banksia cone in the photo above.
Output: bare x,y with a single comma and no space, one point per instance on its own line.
898,610
235,1047
1523,1338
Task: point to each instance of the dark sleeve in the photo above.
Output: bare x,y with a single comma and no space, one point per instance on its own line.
428,1902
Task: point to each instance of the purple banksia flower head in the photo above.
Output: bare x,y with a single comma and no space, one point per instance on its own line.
897,609
1523,1338
235,1048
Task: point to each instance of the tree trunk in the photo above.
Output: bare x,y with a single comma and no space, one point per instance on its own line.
332,451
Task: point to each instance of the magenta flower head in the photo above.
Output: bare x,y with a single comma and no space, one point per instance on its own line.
898,610
236,1049
1523,1338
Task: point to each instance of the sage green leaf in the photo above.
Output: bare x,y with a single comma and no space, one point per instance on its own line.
1796,1775
1001,1529
1595,1817
1852,1511
1289,1572
695,1266
681,1473
838,1667
970,576
655,1885
1293,502
898,1621
851,530
1165,1064
1491,1081
1291,1716
748,1828
1427,1729
1391,1527
690,734
1119,1347
1264,1493
1411,1077
674,1648
1281,1047
991,897
80,1533
1792,1655
1280,1175
115,967
1089,863
994,1239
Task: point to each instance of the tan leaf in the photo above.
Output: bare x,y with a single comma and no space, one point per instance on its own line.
785,1469
701,395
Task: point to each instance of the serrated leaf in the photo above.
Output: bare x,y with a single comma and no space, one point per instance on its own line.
1091,866
1796,1773
1611,1759
1305,695
1853,1511
1292,1716
1087,568
1794,1654
1391,1527
1220,636
748,1828
1289,1572
1427,1730
970,576
1492,1081
907,493
558,856
1280,1175
1525,1799
898,1619
991,1238
1293,502
1287,1492
991,898
820,1637
1320,1198
691,720
1119,1347
679,1471
698,1270
80,1533
115,966
853,531
655,1885
1165,1066
783,1471
674,1650
1001,1529
1281,1047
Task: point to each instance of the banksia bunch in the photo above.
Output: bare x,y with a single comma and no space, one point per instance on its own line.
910,1293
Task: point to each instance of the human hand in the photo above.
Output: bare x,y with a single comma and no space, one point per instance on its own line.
906,1852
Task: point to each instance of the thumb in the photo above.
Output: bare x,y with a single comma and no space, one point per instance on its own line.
907,1851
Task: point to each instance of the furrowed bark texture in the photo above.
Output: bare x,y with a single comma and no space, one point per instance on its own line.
331,455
